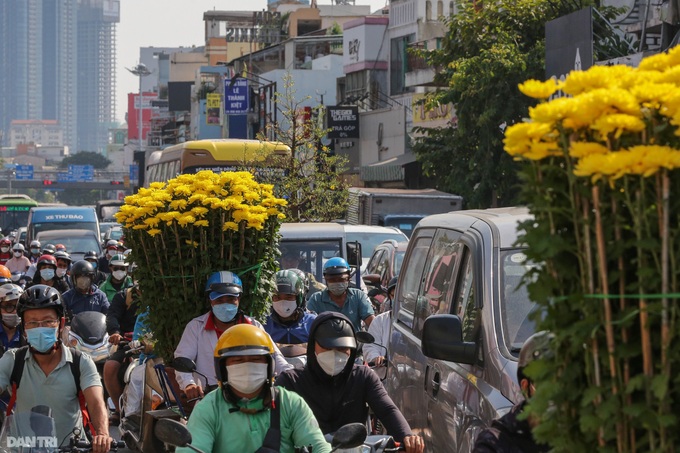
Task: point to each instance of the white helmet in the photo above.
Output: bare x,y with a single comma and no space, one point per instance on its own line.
35,244
18,247
10,291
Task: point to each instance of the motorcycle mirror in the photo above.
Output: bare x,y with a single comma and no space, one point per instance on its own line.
364,337
349,436
184,364
172,432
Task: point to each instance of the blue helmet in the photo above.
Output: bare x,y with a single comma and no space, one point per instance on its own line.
336,266
224,282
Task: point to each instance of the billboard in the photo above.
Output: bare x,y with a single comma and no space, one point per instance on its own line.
236,96
133,114
569,44
343,121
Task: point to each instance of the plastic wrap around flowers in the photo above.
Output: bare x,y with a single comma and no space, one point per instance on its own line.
619,120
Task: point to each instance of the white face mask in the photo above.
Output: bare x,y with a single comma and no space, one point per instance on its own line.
10,319
285,308
118,275
337,289
332,362
4,249
247,377
111,252
61,272
18,254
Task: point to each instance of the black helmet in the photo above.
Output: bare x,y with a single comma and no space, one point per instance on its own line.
81,268
49,249
62,255
40,296
91,255
535,347
335,332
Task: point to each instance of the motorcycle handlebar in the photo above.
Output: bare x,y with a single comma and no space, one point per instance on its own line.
84,446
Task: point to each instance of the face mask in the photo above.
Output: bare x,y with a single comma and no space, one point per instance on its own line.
247,377
4,249
225,312
42,338
332,362
11,319
47,274
337,289
35,251
285,308
118,275
111,252
61,272
18,254
83,283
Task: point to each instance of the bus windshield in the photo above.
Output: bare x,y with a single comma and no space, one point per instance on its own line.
14,212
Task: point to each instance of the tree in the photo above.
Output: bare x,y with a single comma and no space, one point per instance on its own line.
97,160
313,182
488,50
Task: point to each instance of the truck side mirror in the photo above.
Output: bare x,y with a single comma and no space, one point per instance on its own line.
354,254
443,339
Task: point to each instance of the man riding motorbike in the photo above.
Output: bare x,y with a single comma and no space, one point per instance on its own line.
289,322
85,295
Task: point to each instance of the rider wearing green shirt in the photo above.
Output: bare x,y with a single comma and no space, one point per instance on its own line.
237,417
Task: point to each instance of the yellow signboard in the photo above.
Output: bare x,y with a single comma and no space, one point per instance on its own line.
213,107
442,113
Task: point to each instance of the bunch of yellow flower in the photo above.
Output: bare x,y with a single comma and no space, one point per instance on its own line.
600,179
616,120
183,230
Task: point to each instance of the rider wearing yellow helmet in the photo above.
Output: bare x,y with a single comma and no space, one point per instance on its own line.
247,413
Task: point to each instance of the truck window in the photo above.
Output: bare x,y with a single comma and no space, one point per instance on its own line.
467,306
411,276
436,293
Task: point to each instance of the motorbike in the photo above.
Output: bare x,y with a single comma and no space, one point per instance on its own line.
35,431
159,400
295,354
351,438
20,278
88,335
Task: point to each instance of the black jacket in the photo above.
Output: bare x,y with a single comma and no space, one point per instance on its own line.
508,434
342,399
122,313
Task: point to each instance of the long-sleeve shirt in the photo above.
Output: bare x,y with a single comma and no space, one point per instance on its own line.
122,313
214,427
380,329
198,344
77,302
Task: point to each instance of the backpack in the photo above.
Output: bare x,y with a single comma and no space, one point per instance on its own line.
18,370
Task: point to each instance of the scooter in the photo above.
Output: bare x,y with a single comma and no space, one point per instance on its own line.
88,334
349,438
295,354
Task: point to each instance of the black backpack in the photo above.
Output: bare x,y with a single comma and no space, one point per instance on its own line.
18,371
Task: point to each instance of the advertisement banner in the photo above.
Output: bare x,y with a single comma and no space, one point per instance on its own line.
569,44
236,96
213,108
343,122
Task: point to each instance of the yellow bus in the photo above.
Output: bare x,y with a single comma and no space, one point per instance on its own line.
217,155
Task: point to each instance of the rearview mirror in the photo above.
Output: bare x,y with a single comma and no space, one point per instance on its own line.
364,337
353,254
184,364
443,339
351,435
172,432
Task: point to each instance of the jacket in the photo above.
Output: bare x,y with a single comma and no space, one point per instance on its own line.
110,289
122,314
198,344
216,428
508,434
296,332
342,399
76,302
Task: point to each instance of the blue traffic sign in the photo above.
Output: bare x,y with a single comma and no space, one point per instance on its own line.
134,172
24,172
63,176
81,173
236,98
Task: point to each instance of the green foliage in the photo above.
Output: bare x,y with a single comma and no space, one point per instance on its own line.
97,160
79,197
313,184
486,53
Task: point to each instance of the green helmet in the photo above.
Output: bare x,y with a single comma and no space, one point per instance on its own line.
535,347
118,260
288,282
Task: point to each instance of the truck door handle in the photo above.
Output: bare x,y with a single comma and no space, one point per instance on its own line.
436,384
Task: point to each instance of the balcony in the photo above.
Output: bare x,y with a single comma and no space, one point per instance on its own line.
418,71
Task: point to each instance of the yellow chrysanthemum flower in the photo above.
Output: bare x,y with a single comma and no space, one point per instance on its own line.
537,89
154,232
201,223
579,150
618,124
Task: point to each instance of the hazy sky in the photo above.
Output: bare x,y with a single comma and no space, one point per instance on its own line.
171,23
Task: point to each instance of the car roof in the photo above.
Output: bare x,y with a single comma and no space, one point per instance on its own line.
63,233
502,220
370,229
311,230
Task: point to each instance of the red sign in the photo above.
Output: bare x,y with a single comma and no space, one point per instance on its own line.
133,114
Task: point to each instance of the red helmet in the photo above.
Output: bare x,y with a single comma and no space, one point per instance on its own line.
46,259
60,248
5,241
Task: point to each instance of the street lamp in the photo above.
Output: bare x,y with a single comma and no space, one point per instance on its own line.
142,71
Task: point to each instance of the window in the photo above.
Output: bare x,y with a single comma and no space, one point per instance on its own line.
440,8
399,64
466,303
411,277
436,293
428,10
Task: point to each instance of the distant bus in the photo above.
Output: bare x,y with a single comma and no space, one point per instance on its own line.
61,218
14,211
217,155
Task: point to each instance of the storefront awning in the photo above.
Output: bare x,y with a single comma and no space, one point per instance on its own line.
391,169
